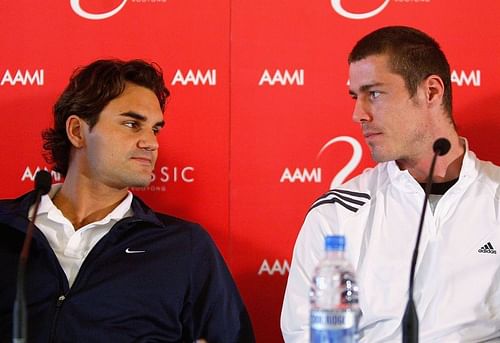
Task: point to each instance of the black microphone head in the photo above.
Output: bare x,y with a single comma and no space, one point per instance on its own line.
441,146
43,181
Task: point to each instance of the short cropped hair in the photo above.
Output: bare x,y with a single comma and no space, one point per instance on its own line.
412,54
89,90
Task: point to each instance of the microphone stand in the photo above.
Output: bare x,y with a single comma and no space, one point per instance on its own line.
410,318
19,327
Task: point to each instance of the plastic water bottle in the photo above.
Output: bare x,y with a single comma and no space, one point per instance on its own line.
334,297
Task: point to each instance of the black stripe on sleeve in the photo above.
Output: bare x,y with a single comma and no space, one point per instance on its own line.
348,199
332,201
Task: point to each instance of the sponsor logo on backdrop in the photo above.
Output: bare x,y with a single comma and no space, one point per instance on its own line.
339,8
162,176
174,174
283,78
77,8
30,173
278,266
357,153
168,175
302,175
314,175
463,78
195,77
26,77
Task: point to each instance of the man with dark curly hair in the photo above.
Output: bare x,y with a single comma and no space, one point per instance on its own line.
103,266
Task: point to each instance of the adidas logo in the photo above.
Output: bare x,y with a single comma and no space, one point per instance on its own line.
487,249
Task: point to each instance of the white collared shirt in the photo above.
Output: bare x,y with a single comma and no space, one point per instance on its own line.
72,247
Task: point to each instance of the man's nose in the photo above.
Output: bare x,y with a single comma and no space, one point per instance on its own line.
149,141
361,112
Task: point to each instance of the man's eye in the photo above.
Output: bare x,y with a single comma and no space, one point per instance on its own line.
131,124
156,130
374,94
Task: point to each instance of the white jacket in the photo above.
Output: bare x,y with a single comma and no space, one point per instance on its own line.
457,279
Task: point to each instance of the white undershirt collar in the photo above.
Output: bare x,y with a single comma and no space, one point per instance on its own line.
72,247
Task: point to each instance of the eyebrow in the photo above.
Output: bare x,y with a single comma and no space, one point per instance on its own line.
141,118
366,88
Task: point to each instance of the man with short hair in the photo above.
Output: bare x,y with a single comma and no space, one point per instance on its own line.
103,266
401,85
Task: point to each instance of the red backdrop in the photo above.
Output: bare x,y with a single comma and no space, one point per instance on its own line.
259,121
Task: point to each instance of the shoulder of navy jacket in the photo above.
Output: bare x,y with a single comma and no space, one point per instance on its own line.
143,212
14,212
19,205
347,199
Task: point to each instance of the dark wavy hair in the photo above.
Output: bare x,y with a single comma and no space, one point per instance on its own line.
89,90
412,54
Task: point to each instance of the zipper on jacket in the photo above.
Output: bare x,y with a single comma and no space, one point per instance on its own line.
89,259
59,303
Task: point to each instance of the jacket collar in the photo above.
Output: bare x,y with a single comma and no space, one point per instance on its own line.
144,212
406,182
19,206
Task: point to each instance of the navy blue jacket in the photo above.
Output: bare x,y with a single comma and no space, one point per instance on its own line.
178,290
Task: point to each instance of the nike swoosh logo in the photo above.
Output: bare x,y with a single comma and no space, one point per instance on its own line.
128,251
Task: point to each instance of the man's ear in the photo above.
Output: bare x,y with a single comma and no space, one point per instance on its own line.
75,129
434,90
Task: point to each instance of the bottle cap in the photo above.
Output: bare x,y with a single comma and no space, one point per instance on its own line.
335,243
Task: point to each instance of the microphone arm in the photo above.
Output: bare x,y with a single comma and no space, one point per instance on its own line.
410,318
19,327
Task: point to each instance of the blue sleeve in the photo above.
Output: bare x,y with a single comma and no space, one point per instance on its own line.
217,312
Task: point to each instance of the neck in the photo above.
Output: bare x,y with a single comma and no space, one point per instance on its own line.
83,201
447,167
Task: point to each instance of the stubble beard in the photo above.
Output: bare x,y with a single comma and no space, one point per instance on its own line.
139,180
378,155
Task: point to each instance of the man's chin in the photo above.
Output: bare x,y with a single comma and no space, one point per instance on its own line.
378,156
141,182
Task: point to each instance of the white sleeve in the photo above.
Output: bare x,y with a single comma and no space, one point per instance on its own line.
308,250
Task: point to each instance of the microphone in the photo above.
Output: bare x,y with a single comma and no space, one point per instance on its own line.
43,182
441,147
410,319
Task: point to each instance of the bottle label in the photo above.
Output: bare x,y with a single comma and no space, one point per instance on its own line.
333,326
